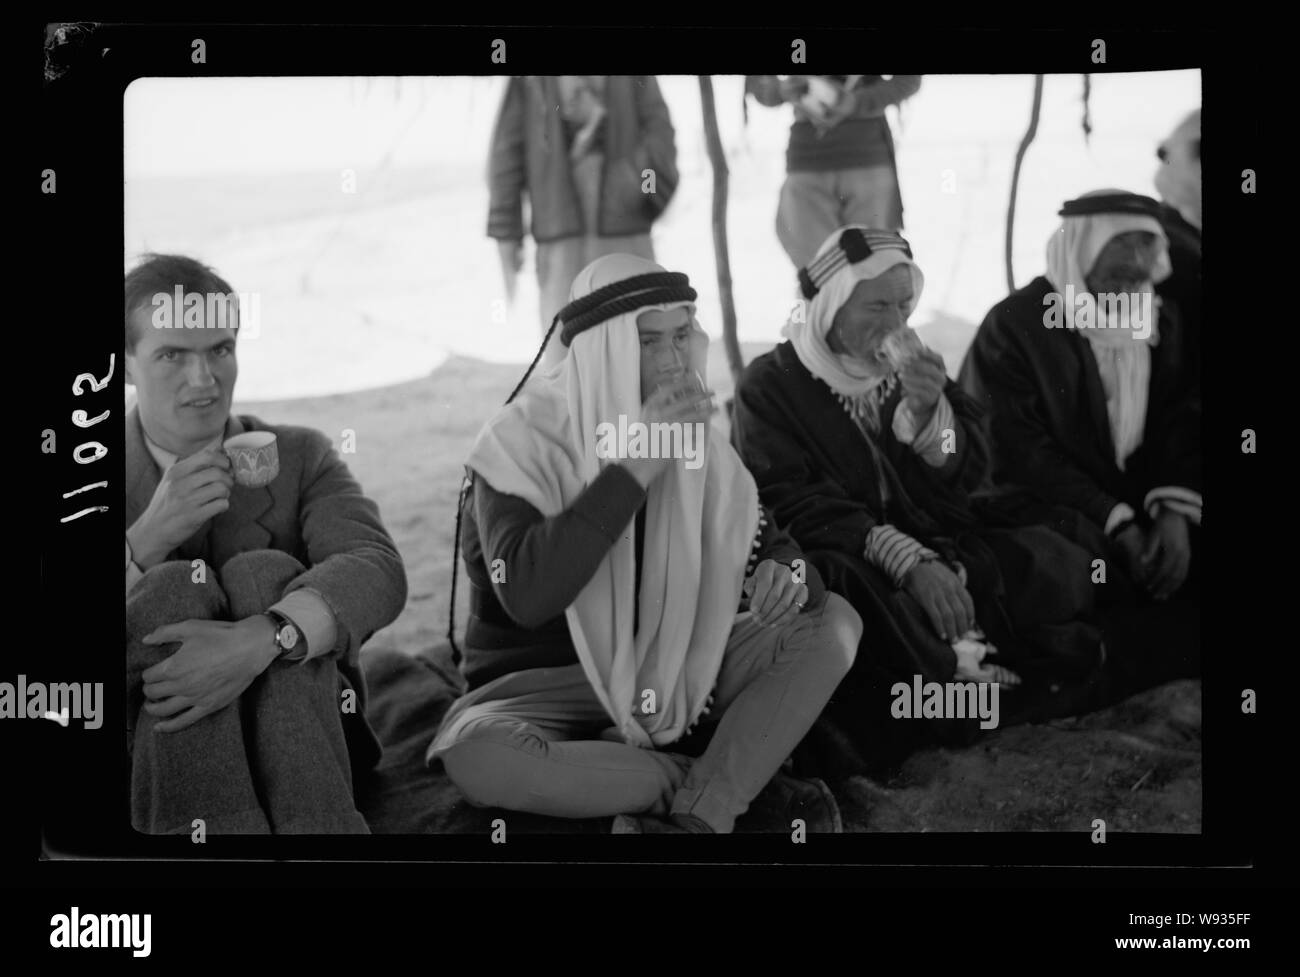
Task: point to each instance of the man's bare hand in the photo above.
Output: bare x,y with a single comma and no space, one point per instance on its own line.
923,379
943,598
190,493
1130,542
216,662
511,254
841,109
793,88
684,401
1167,554
774,597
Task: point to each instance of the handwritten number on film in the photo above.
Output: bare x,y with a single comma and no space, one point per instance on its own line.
89,452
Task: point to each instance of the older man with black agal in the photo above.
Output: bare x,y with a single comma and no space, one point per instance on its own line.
1098,410
246,604
870,456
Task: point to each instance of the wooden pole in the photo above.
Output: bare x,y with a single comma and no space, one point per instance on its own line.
719,160
1015,174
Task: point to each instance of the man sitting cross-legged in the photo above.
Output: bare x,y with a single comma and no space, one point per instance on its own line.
606,589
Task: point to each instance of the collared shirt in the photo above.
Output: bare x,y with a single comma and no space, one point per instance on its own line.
304,607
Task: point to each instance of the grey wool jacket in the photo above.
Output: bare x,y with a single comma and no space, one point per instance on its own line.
315,511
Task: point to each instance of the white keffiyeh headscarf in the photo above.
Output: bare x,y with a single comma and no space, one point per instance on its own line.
1123,357
853,381
699,523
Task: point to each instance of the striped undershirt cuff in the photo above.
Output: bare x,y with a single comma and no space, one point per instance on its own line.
1123,512
895,552
1184,501
927,443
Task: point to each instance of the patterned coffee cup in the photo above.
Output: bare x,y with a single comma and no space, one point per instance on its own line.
254,458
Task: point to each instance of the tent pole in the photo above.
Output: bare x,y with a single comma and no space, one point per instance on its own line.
1015,174
719,160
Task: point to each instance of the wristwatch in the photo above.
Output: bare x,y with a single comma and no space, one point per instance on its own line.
288,639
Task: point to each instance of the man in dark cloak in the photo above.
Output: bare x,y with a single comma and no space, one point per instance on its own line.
870,456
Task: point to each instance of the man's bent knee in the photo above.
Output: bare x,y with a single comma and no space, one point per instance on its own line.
481,768
177,590
825,638
256,579
841,632
167,594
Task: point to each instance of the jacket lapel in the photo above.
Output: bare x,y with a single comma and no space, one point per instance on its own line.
142,474
240,527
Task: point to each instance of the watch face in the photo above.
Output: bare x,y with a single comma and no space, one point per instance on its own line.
287,636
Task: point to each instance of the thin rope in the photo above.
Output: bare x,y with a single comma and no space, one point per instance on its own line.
467,483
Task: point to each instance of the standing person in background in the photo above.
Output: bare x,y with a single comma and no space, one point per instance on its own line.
595,155
840,166
1178,181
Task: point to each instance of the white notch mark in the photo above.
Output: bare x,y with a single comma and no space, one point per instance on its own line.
59,717
84,512
86,488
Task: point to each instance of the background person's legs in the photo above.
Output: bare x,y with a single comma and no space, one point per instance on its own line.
200,771
297,750
807,213
636,244
869,195
772,687
558,264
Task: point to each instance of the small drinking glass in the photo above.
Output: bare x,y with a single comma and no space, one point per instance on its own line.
900,347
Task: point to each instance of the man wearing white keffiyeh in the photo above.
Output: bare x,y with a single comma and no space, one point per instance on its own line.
871,457
605,590
1097,410
845,341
